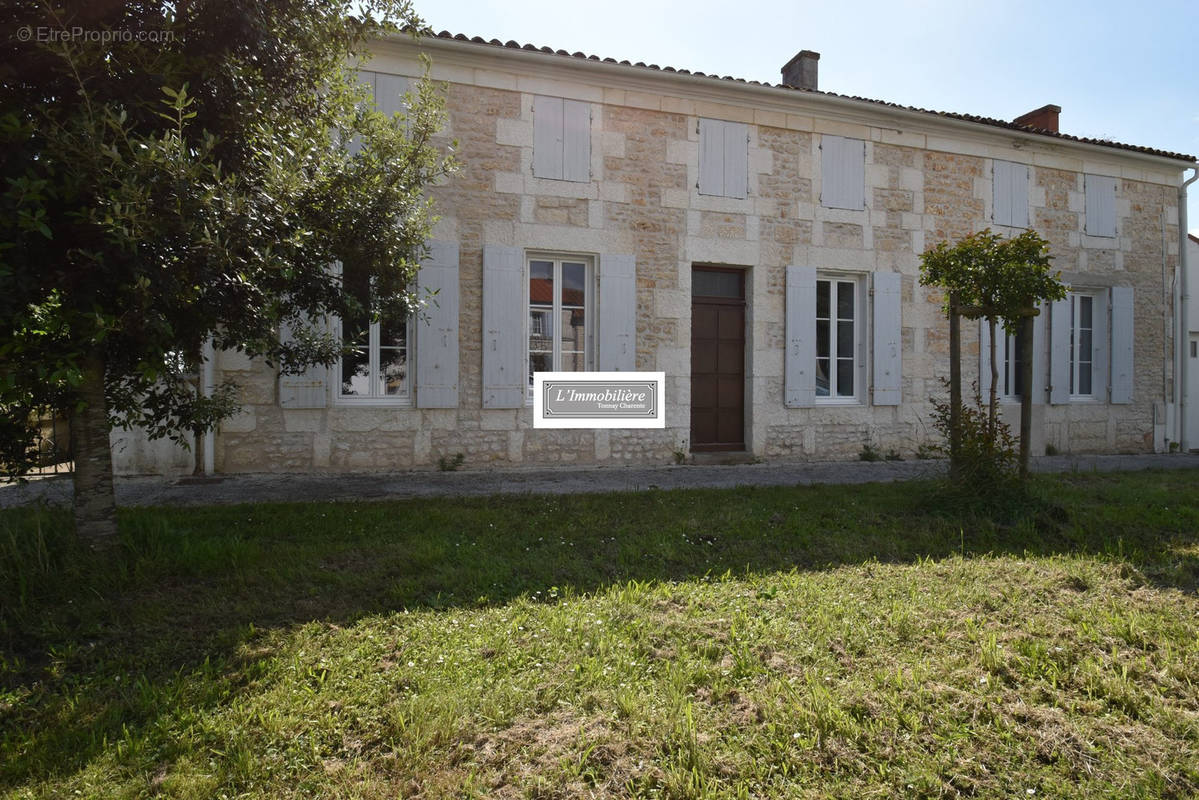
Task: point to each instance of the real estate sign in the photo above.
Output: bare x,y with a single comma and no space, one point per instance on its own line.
599,400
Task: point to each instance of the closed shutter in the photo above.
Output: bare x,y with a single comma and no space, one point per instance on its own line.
1059,351
307,389
888,343
711,157
576,141
1101,205
843,172
799,364
736,159
504,310
1122,339
617,313
1010,194
548,129
437,328
389,93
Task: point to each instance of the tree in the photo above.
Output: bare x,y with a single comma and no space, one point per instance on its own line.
1000,280
175,173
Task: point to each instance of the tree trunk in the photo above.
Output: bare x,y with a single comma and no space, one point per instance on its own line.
95,503
993,411
1026,355
955,386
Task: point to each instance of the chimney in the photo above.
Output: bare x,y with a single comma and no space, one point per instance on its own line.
1044,118
800,72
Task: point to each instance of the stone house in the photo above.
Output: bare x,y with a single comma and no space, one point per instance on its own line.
757,243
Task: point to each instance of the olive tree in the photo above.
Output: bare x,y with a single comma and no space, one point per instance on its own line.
184,173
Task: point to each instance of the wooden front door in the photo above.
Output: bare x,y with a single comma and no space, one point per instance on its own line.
717,359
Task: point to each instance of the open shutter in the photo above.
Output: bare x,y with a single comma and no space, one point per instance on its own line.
548,137
437,328
799,365
1039,325
1101,205
711,157
736,159
888,373
984,357
1101,338
504,310
1059,351
843,172
617,313
307,389
1122,339
576,141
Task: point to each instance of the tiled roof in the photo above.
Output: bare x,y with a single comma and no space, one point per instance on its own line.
996,123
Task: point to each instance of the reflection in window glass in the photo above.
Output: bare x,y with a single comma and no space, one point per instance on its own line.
377,364
836,338
559,298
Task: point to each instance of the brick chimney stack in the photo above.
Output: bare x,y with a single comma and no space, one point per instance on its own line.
1044,118
800,72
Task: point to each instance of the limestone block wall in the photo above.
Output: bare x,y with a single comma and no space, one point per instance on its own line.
925,182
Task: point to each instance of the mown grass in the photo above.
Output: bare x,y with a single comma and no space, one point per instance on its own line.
865,641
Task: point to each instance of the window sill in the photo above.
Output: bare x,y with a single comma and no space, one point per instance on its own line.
838,401
373,402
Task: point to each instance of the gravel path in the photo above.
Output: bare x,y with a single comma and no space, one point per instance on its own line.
157,491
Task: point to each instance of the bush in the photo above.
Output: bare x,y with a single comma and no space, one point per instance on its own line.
987,458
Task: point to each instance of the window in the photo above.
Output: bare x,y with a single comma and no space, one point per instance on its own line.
560,306
723,158
1011,377
837,338
1101,205
377,368
1010,195
561,139
843,172
1082,345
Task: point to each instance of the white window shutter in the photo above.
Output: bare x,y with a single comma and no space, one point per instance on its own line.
617,313
1059,352
711,157
736,159
1122,339
1101,205
1101,338
984,357
367,79
843,172
1010,194
888,339
1038,354
437,328
576,141
389,93
547,137
504,311
799,364
307,389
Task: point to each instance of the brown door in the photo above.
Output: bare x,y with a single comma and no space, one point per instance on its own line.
717,359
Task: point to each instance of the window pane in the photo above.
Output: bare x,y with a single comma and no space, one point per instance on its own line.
822,338
1084,311
574,281
1084,378
573,334
822,377
393,332
355,327
1084,345
572,362
355,373
822,299
844,377
393,368
541,283
845,339
540,362
845,293
711,283
541,328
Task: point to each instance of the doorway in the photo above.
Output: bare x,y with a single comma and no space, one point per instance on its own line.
717,359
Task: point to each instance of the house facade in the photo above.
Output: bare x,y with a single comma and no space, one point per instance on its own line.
758,244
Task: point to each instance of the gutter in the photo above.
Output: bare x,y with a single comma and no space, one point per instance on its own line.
1182,321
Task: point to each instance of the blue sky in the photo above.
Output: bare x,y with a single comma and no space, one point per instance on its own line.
1122,71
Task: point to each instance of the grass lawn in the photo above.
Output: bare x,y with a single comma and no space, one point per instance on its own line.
843,641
